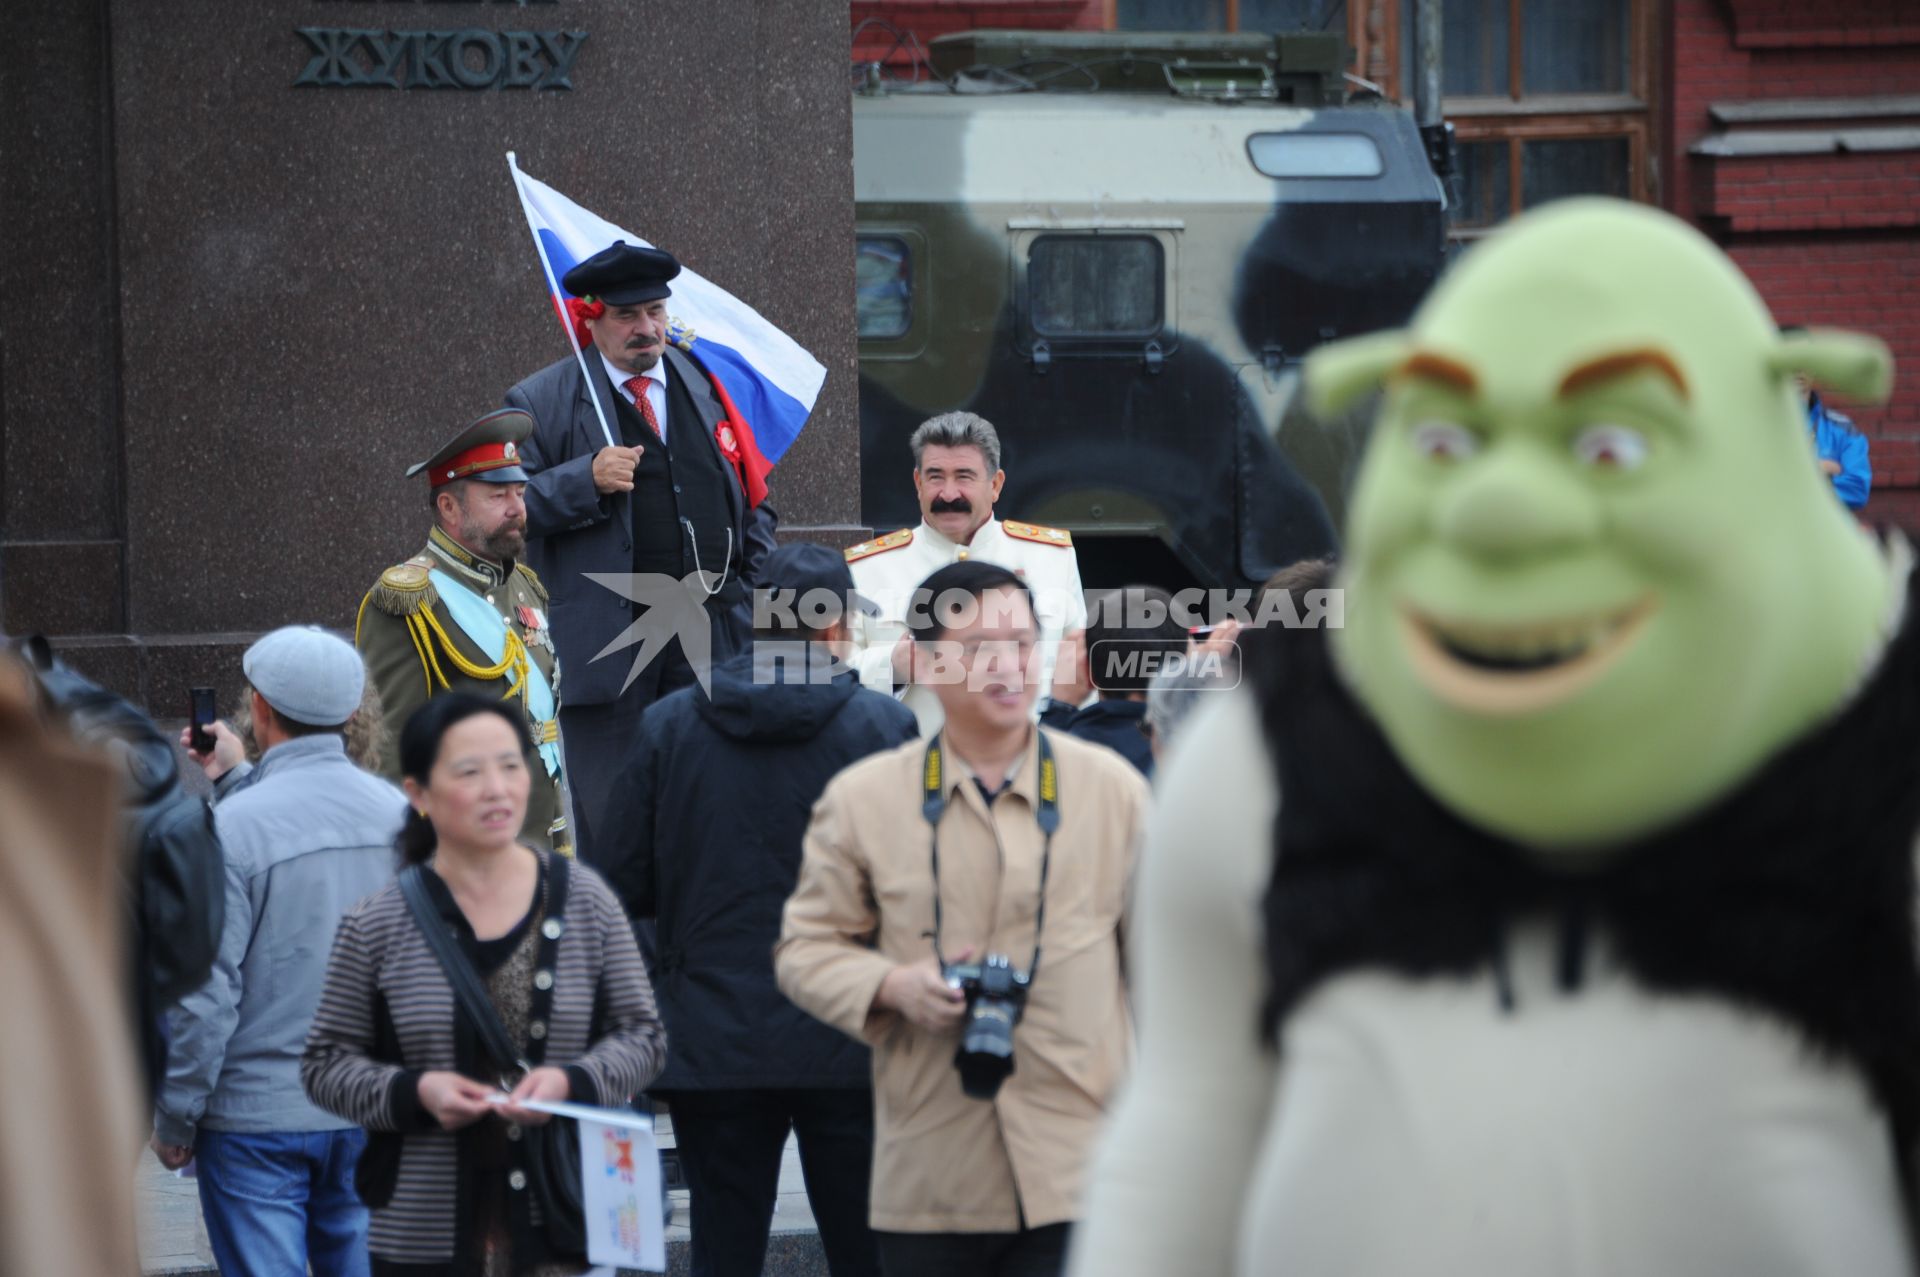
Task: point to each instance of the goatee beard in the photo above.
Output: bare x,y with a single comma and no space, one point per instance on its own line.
498,546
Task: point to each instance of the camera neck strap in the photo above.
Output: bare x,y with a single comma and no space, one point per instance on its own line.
1046,814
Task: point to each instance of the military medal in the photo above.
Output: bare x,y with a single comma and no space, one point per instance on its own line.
535,625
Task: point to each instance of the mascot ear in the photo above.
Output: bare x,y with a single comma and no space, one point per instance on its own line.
1856,365
1339,373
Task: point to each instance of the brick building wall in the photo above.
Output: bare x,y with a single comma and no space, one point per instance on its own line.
1793,137
1868,282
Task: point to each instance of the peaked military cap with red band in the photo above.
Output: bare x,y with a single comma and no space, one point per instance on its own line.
487,449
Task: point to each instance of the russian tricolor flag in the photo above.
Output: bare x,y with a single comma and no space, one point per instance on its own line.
763,376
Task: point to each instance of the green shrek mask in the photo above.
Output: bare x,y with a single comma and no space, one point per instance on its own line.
1594,576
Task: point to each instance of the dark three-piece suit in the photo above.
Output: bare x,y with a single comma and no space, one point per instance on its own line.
687,513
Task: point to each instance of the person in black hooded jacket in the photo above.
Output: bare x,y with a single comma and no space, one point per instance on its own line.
1129,638
720,788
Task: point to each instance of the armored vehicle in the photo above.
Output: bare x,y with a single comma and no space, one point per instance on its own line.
1117,247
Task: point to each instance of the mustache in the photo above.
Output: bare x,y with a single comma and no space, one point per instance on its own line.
959,505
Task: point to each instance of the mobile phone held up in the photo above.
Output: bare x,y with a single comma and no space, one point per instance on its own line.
200,717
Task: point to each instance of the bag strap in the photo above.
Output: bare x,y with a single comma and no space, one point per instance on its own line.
469,993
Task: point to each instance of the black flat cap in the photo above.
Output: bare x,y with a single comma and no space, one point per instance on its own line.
623,275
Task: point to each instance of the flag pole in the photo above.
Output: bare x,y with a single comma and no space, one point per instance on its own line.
554,291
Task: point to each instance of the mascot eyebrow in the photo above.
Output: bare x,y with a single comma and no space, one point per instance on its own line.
1456,376
1607,367
1431,367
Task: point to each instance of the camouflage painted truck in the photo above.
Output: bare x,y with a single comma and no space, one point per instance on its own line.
1117,247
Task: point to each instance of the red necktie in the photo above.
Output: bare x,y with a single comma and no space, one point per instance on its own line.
637,387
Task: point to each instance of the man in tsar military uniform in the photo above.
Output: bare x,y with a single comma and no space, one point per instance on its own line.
465,615
669,500
957,475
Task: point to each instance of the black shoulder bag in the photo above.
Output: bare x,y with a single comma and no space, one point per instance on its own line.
553,1150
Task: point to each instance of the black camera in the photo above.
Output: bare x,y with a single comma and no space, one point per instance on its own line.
996,995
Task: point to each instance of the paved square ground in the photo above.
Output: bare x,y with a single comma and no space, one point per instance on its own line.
173,1241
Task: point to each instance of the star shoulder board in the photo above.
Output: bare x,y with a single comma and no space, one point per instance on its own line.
879,545
1038,534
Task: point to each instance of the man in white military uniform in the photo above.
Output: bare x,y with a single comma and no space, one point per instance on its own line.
957,475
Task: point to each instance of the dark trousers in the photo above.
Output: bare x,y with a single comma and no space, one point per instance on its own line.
730,1144
1031,1252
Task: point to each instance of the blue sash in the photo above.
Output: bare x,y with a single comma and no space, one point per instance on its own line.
478,621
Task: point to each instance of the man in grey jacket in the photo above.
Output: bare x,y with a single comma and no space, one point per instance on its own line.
306,837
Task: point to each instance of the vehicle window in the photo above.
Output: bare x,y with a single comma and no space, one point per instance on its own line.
1315,155
883,283
1095,285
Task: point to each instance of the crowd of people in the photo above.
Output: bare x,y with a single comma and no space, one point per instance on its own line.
844,852
757,842
771,874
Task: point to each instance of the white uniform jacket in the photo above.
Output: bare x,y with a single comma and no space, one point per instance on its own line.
888,569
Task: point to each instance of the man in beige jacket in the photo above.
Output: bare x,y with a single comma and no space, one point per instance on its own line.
967,1185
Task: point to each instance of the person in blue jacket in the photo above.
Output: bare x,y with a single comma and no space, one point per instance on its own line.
1843,452
1841,447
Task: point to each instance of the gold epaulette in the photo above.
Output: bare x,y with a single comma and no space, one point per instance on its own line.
1035,532
879,545
533,579
404,589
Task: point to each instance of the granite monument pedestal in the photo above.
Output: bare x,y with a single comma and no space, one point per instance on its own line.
262,254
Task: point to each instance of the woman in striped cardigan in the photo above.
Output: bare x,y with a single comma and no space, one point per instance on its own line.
450,1183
